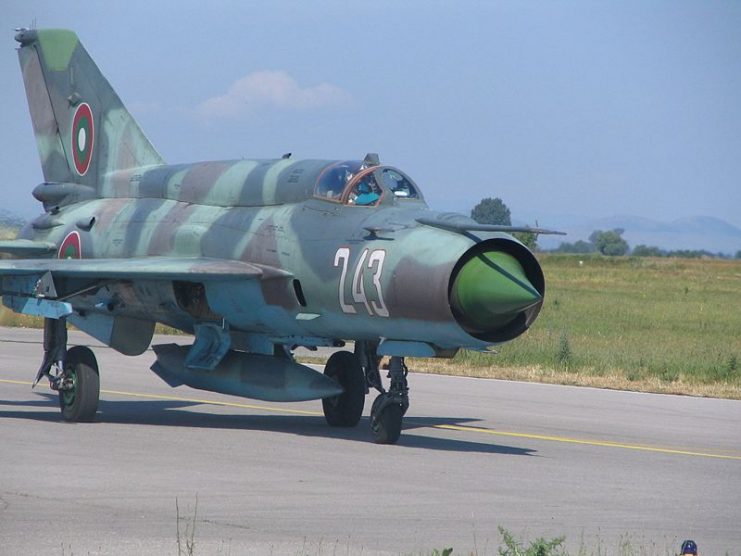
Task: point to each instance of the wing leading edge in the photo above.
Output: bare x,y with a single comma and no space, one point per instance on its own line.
145,268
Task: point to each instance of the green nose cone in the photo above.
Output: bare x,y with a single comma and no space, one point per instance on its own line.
491,290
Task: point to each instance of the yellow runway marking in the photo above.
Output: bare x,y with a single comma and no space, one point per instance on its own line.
459,428
601,443
21,382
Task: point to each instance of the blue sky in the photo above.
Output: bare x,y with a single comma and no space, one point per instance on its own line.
585,108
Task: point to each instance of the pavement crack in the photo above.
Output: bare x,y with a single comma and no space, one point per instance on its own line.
225,524
24,495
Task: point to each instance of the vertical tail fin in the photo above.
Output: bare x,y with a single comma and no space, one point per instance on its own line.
83,131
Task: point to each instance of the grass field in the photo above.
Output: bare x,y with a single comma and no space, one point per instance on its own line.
648,324
651,324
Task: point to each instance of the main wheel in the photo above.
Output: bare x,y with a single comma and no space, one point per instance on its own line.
344,410
80,402
386,420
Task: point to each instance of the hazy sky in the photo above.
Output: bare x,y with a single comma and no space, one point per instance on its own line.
588,108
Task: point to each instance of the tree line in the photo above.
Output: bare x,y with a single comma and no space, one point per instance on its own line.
611,244
605,242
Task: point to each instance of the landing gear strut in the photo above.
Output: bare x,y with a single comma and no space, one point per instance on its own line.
73,373
389,407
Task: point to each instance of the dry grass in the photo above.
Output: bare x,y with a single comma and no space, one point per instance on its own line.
551,375
9,318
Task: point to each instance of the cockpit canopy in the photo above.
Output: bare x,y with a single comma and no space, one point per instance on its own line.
352,182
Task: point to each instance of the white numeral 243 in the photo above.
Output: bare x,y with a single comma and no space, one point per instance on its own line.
368,260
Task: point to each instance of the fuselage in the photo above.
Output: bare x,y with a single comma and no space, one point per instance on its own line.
253,257
347,271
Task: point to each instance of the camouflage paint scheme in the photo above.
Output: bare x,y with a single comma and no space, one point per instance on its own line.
261,249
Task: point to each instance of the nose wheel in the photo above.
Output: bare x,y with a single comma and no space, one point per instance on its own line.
389,407
386,417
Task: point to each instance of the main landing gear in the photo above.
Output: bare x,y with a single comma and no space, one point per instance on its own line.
344,410
356,373
73,373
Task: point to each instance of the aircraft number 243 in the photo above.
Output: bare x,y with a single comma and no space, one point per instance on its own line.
368,261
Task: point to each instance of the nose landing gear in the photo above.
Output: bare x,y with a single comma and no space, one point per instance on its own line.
357,373
390,406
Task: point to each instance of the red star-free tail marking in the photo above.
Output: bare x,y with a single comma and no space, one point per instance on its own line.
71,247
83,138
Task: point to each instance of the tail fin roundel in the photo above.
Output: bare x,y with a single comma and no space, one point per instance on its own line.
83,131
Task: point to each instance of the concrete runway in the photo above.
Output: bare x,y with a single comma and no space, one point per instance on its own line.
539,460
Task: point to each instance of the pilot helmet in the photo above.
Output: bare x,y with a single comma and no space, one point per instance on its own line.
689,547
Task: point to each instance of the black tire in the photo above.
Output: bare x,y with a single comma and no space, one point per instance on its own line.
386,424
345,410
80,404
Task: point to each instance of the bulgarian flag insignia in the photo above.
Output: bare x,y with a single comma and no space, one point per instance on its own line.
83,138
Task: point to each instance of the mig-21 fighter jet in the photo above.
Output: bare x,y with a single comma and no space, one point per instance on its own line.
254,258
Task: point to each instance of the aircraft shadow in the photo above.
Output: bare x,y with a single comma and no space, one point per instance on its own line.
175,413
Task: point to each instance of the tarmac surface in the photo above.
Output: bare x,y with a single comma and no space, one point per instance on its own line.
600,467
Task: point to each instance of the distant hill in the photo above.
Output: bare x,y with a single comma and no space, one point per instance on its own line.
695,233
